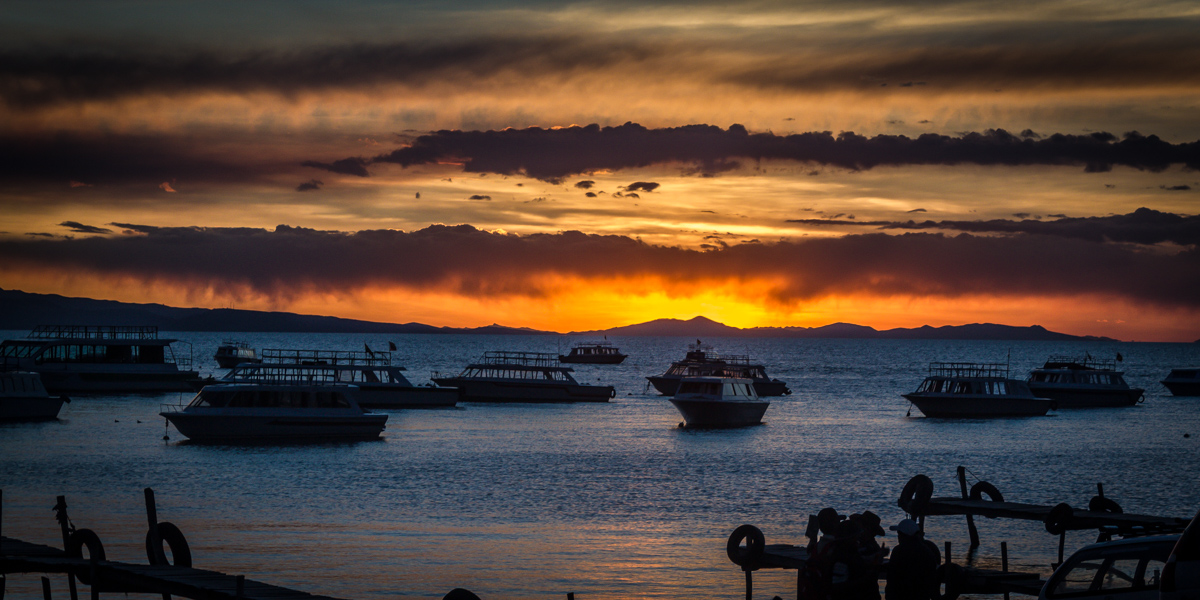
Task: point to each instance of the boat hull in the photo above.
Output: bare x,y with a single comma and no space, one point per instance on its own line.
1076,397
487,390
405,396
977,407
667,385
1182,388
245,427
30,408
613,359
229,362
719,413
132,380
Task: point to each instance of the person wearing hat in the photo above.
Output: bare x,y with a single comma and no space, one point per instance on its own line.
912,569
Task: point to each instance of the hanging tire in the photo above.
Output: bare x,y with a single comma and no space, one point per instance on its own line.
1104,505
173,538
950,575
914,499
1059,519
80,539
983,488
746,557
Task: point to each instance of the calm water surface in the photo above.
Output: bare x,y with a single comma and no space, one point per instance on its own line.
604,500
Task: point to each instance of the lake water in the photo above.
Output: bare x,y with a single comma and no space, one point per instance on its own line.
603,500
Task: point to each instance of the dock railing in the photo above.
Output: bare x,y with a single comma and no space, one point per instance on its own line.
103,332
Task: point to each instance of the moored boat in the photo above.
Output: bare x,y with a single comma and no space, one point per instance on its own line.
975,390
24,398
593,353
718,402
275,412
501,376
1082,383
232,353
101,359
702,361
1183,381
381,384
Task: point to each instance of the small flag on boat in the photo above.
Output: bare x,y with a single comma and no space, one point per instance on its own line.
392,346
1120,358
368,350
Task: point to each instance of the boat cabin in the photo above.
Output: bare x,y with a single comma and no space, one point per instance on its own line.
971,379
321,366
1085,371
718,387
259,396
530,366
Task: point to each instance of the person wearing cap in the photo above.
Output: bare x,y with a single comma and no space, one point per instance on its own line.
912,569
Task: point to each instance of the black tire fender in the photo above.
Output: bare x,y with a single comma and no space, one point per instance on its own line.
746,557
172,537
1059,518
914,499
951,575
1105,505
983,488
80,539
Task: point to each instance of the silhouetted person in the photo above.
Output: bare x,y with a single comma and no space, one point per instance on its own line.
912,569
847,573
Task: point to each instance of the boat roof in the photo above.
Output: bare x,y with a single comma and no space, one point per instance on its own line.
223,385
308,357
968,370
715,379
1087,363
600,344
519,360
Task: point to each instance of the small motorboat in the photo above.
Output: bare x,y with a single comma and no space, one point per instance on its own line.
231,354
266,412
502,376
1083,383
593,353
719,402
23,398
975,390
1183,381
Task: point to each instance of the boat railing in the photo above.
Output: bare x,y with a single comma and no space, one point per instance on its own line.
102,332
237,344
365,358
968,369
282,374
179,359
1087,362
526,359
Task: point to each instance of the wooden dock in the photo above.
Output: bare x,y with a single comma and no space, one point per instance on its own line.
1078,520
17,556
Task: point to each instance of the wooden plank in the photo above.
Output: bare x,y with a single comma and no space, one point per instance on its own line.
1082,519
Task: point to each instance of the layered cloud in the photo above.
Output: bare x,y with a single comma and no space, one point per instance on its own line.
468,262
552,154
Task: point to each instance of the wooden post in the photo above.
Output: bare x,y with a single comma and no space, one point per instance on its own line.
46,588
64,523
1100,490
155,537
1062,542
962,483
1004,561
948,561
570,595
95,585
749,586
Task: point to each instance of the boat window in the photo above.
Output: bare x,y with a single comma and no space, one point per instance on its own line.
1037,377
18,350
961,387
1001,387
210,398
370,376
699,387
1134,568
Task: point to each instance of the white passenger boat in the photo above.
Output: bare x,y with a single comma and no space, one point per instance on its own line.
975,390
593,353
522,377
381,384
702,361
100,359
275,412
24,398
233,353
1083,383
719,402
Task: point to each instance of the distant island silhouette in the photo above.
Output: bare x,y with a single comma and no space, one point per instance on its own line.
23,310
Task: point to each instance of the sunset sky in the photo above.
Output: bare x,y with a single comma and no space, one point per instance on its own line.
575,166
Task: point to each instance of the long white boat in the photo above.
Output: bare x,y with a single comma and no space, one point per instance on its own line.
381,384
719,402
275,412
24,398
100,359
975,390
1083,383
502,376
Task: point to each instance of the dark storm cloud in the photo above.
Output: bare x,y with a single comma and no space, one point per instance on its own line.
33,78
117,159
553,154
462,259
81,228
1142,226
